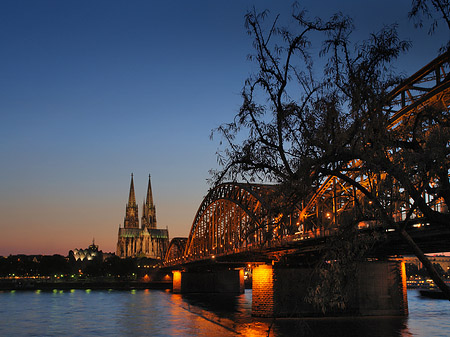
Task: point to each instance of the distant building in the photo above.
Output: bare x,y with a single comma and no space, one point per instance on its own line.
144,240
89,254
442,260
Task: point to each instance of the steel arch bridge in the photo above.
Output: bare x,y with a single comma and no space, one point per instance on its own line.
429,87
176,249
232,218
237,217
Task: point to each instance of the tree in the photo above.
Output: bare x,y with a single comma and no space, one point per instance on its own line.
303,131
434,10
429,9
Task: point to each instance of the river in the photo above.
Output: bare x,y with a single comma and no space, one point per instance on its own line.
161,313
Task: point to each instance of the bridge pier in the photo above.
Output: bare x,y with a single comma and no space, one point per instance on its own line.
378,289
211,281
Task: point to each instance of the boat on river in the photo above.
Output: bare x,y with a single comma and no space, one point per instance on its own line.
433,293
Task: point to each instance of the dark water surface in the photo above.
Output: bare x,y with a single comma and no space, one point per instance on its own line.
160,313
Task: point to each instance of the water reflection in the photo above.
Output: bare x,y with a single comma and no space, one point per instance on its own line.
190,320
159,313
362,326
229,312
234,313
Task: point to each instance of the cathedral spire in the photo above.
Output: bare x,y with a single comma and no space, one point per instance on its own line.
149,216
149,200
131,212
144,240
131,198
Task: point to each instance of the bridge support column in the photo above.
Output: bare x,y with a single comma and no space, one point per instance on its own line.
262,291
218,281
378,289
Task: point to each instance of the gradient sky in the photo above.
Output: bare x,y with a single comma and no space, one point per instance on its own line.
91,91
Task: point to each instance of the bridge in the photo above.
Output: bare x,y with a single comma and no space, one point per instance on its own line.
240,224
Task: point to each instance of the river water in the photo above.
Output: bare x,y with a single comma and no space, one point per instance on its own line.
161,313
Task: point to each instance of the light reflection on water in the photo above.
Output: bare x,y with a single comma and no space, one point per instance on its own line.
159,313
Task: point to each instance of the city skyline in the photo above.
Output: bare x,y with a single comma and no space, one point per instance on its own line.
93,92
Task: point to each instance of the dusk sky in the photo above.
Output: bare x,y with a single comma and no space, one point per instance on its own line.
91,91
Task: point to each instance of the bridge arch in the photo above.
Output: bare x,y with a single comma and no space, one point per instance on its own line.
233,216
176,249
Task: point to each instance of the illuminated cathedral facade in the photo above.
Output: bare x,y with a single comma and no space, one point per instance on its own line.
144,239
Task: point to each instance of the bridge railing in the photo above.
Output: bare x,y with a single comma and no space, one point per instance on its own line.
296,238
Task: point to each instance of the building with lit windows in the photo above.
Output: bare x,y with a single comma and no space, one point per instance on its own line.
142,239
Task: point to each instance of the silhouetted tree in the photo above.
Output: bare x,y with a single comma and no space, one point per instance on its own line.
50,265
434,10
297,128
120,267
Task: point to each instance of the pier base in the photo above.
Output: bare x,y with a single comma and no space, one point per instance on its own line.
377,289
220,281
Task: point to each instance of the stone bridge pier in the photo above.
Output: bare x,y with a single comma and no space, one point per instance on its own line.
377,289
209,281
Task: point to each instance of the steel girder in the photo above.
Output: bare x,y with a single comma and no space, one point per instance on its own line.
429,87
232,217
176,249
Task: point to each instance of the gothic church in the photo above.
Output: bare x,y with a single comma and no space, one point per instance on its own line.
144,240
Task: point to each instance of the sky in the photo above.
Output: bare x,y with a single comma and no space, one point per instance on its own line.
92,91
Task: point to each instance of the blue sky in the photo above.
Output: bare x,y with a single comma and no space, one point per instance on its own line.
91,91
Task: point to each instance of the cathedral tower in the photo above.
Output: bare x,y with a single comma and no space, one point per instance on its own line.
145,240
149,217
131,212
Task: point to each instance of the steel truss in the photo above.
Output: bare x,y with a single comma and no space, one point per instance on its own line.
336,198
235,217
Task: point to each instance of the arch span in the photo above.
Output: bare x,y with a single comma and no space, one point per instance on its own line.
175,250
234,216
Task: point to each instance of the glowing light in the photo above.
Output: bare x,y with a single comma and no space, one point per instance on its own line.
176,281
263,278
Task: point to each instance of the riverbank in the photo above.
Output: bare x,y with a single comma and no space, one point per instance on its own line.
46,284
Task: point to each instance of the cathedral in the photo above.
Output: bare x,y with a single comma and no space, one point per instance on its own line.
144,240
